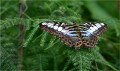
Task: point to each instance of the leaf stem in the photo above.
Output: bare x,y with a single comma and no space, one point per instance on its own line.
21,33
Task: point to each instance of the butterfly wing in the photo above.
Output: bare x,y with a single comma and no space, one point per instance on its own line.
71,37
90,31
75,35
72,41
52,27
67,33
88,36
90,42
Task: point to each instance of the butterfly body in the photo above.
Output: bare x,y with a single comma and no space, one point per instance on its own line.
75,35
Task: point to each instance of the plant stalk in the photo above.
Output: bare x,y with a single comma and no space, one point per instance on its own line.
21,33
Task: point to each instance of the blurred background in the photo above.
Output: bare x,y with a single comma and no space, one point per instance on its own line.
24,46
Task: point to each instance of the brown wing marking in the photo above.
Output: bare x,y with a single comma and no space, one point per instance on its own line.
91,42
66,39
71,41
78,43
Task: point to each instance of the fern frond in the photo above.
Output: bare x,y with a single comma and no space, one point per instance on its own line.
43,39
30,36
82,59
8,55
7,23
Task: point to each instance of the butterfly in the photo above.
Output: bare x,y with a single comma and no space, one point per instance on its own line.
74,34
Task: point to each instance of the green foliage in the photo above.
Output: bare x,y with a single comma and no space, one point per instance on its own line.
44,51
8,53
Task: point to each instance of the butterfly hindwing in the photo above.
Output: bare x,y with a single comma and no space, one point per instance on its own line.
90,42
72,41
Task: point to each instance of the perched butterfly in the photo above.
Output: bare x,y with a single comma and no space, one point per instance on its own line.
74,34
